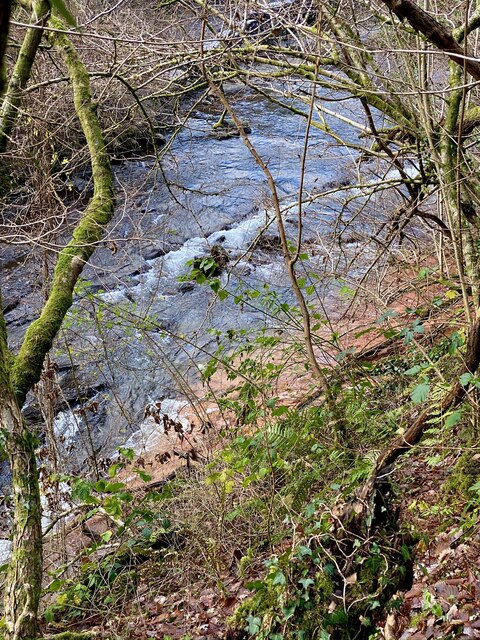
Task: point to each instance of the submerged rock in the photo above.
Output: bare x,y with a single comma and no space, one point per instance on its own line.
134,142
226,128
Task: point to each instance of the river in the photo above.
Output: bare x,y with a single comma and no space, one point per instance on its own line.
136,333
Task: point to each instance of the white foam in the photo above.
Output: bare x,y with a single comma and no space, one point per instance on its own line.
175,262
114,296
5,551
241,235
409,169
66,425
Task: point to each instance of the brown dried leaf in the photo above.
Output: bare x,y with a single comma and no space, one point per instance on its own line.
390,628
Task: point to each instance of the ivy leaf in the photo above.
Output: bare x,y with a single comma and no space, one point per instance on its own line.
254,624
279,578
420,393
306,582
465,379
146,533
288,611
304,551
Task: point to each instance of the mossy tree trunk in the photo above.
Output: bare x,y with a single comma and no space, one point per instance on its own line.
24,579
21,72
22,590
19,373
458,187
5,9
39,337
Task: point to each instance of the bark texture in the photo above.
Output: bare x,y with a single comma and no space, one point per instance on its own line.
5,10
24,579
23,586
435,32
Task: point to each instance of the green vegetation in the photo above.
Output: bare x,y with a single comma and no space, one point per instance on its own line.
274,499
336,489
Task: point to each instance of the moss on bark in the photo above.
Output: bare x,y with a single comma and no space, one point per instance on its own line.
24,577
22,70
5,8
22,592
88,233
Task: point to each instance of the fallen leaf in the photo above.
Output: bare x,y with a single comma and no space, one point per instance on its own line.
390,628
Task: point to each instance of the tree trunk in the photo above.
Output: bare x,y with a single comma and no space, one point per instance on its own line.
22,70
5,9
24,578
18,374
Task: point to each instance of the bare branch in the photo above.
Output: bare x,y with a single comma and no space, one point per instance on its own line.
435,32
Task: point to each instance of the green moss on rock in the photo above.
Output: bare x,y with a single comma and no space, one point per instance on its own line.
464,475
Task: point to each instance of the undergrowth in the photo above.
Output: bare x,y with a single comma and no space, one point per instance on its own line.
268,510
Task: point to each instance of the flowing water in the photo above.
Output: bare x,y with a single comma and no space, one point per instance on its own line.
137,333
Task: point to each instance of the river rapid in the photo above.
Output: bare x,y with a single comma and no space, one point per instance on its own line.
137,333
